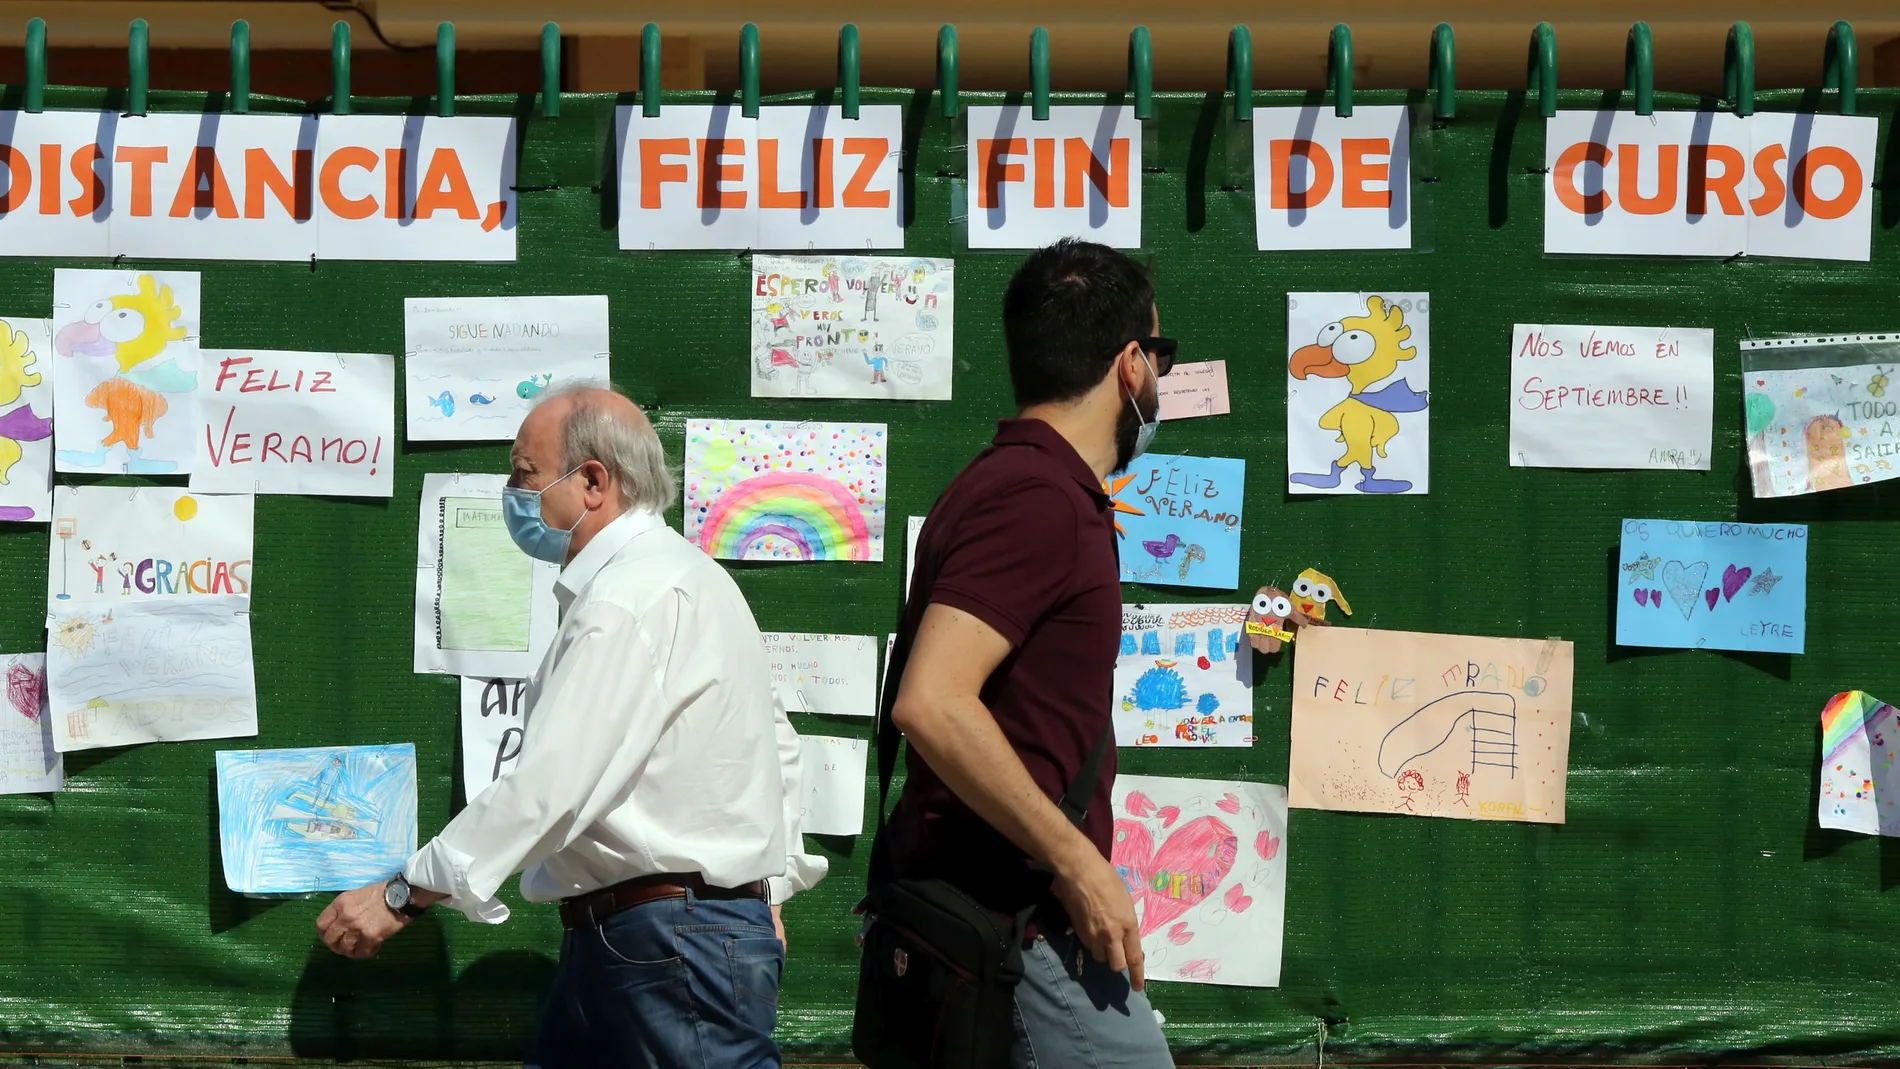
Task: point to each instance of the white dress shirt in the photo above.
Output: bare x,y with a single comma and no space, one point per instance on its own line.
653,742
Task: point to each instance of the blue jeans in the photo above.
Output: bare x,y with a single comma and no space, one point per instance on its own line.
1086,1018
682,983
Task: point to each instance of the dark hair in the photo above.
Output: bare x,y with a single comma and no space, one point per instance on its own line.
1066,315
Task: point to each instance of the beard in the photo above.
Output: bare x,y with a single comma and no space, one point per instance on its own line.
1128,424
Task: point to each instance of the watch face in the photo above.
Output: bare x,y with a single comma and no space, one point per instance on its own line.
396,894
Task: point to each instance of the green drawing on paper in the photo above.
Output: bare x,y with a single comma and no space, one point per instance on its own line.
484,601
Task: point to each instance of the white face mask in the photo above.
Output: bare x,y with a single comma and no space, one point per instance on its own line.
1145,436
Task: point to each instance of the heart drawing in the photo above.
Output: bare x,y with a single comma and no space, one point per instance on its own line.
1655,598
1186,868
1684,583
1732,580
1712,595
1642,596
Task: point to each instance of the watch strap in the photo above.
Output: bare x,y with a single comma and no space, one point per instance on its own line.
409,907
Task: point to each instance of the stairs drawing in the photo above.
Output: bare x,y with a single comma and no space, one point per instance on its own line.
1488,718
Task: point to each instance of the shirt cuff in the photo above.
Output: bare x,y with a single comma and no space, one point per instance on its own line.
443,869
802,873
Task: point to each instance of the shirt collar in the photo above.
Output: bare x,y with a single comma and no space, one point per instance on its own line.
603,547
1039,435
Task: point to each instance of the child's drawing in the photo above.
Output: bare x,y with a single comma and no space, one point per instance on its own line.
1205,862
26,419
29,763
1431,725
1181,678
1358,385
146,543
169,670
329,818
1860,783
1819,415
473,366
786,491
124,396
1179,520
892,340
1688,585
483,607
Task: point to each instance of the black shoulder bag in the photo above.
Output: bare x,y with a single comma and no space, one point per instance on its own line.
937,980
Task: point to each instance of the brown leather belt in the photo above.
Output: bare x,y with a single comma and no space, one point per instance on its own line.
588,910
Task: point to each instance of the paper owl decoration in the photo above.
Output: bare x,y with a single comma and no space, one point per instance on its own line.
1272,619
1313,590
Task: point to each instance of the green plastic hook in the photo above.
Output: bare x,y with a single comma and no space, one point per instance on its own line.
1441,70
1839,69
1039,74
445,69
340,68
551,70
947,70
650,70
749,70
1738,68
35,101
848,69
1541,69
1339,69
1141,72
1240,71
240,67
138,48
1639,68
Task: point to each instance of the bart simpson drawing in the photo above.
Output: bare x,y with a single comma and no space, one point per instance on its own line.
134,329
1364,350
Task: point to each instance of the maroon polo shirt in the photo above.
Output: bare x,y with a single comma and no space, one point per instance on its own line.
1021,540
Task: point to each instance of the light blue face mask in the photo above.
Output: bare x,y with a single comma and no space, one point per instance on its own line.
1145,436
521,512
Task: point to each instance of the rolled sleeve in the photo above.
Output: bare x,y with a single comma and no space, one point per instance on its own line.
1007,563
441,867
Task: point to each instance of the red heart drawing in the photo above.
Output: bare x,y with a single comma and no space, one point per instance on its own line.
1179,934
1655,599
1140,805
1237,899
1732,580
25,688
1642,596
1228,803
1189,865
1266,846
1711,595
1168,814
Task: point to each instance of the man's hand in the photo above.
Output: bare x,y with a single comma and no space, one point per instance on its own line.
356,922
1102,912
778,924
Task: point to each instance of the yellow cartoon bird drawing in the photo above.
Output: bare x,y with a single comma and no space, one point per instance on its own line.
1313,590
1363,350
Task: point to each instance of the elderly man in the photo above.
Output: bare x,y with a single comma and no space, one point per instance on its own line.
655,797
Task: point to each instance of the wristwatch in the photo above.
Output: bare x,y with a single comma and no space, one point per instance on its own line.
396,895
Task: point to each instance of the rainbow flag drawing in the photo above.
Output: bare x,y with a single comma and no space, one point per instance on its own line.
779,491
1860,783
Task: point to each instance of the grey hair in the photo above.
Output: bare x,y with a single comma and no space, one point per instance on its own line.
626,446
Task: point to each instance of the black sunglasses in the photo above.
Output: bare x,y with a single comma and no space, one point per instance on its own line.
1162,349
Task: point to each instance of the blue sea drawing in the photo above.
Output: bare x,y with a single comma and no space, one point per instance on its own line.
327,818
444,401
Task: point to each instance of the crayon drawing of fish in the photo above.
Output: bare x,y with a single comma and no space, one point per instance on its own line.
444,401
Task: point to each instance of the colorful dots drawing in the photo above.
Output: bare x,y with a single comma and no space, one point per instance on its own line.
772,491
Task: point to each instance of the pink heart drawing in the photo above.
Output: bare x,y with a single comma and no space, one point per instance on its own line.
1711,595
1642,596
1228,803
1168,814
1655,599
25,689
1732,580
1266,846
1237,899
1179,934
1188,866
1140,805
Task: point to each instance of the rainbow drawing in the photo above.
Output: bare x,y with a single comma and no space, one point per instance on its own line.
1860,783
816,516
1844,719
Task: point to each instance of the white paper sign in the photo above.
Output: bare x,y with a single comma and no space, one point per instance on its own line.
915,531
1709,184
1190,390
834,674
257,187
28,762
117,544
297,423
702,176
473,366
492,728
150,671
26,418
483,607
873,327
832,771
1076,174
1611,397
1323,181
125,393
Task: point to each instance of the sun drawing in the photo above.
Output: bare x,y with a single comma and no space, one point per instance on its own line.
1115,503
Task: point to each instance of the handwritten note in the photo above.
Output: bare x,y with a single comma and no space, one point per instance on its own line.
1820,412
1179,520
473,366
1195,390
1611,397
835,674
871,327
832,771
1725,586
296,423
492,727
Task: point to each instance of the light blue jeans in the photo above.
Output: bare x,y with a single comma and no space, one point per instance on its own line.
683,983
1081,1018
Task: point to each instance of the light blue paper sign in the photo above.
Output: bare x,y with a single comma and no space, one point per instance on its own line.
1723,586
330,818
1178,519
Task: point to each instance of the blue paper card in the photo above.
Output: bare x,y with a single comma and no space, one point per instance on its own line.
329,818
1724,586
1179,520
